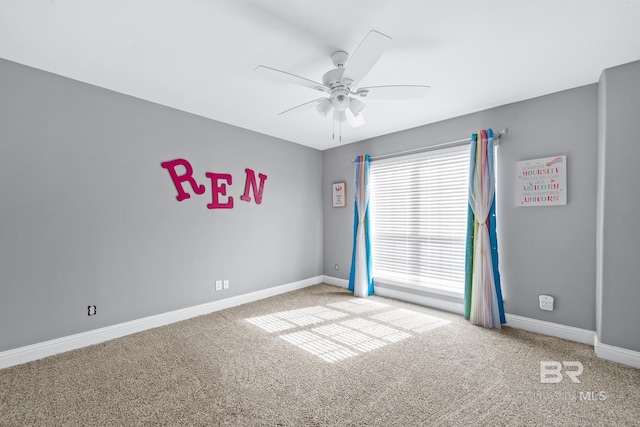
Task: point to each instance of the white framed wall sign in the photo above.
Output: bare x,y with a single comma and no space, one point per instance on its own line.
339,191
542,182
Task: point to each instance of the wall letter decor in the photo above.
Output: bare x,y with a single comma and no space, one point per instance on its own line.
220,182
179,179
217,188
250,182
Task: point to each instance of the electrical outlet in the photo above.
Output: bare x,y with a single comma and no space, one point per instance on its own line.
218,285
91,310
546,302
225,284
337,267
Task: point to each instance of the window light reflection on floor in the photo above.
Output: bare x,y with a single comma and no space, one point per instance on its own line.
358,305
377,330
357,340
271,323
321,347
284,320
342,338
407,319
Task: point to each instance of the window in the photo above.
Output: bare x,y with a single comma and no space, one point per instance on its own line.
418,207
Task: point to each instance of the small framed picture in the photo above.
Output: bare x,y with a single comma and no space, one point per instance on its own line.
339,191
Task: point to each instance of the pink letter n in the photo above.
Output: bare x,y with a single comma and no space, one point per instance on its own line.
250,183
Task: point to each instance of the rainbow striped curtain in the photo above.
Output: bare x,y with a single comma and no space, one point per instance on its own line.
482,294
360,279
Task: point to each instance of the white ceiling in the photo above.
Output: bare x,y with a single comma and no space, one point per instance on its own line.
199,55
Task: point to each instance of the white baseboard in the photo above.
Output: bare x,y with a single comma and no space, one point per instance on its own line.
436,303
570,333
335,281
404,296
60,345
584,336
616,354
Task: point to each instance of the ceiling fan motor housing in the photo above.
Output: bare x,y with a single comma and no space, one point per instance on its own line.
333,78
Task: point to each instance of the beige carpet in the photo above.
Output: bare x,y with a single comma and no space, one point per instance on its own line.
320,357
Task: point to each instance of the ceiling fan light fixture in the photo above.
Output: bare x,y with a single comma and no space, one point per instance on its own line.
356,106
324,107
340,99
354,121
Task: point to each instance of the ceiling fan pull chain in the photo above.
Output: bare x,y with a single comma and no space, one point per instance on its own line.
333,130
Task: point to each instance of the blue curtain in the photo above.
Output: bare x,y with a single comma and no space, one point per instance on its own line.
360,278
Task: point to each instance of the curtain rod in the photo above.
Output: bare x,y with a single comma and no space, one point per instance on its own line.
455,143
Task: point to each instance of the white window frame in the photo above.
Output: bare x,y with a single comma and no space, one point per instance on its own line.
448,256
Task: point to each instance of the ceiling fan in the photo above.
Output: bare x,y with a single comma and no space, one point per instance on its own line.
341,83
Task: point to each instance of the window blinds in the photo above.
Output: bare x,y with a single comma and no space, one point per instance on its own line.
418,209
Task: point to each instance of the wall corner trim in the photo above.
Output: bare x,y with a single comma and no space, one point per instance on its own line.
41,350
616,354
336,282
557,330
584,336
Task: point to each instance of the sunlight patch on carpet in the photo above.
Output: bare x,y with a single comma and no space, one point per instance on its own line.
284,320
333,335
350,337
407,319
358,305
270,323
318,346
377,330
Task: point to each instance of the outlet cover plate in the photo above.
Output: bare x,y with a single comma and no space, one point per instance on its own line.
546,302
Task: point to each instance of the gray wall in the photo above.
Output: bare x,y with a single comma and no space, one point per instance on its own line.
88,215
619,207
543,250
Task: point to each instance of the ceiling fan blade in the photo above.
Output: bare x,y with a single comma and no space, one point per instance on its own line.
354,121
283,76
365,57
393,92
302,107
